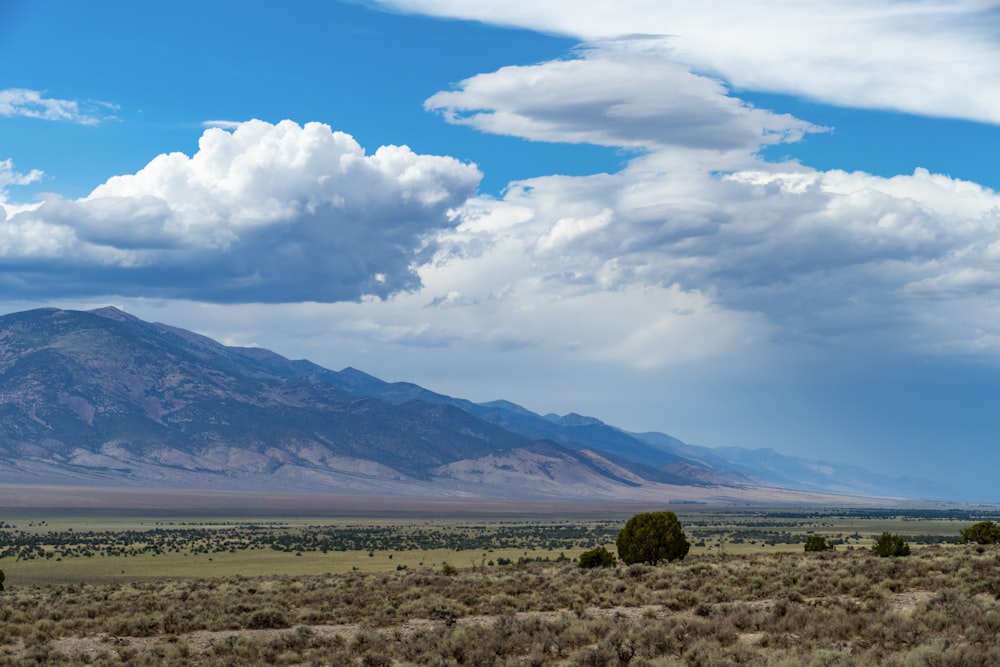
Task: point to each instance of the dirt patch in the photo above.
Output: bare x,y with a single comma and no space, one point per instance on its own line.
751,638
908,602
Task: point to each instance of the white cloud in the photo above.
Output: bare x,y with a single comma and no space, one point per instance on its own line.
616,99
935,57
779,251
222,124
10,177
264,213
822,258
33,104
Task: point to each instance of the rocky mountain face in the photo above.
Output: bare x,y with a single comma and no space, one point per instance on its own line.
101,397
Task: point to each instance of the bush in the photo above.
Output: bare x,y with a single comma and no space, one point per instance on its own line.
651,537
818,543
984,532
597,557
890,544
265,619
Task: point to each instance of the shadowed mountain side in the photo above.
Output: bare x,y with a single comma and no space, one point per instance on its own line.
102,397
573,431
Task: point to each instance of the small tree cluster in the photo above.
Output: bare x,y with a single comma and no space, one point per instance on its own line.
890,544
651,537
818,543
597,557
984,532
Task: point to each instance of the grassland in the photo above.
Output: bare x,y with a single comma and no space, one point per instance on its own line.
485,586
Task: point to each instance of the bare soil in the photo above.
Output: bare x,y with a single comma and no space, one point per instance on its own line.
26,499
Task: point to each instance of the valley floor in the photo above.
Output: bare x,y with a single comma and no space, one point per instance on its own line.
206,579
938,606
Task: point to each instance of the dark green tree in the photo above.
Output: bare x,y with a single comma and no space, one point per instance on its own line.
597,557
984,532
890,544
818,543
651,537
2,577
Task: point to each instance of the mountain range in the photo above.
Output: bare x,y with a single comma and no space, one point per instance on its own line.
103,398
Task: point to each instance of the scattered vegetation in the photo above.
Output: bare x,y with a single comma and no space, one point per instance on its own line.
22,544
983,532
597,557
652,537
818,543
938,607
890,544
767,607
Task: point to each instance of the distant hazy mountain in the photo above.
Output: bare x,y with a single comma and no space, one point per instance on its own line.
102,397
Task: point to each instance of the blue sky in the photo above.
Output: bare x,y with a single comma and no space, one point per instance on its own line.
726,223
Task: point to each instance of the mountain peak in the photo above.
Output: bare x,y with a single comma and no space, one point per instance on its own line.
112,313
574,419
354,373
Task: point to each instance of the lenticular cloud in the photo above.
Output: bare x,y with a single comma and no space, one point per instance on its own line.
265,213
616,99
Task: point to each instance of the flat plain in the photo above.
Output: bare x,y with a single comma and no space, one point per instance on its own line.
129,576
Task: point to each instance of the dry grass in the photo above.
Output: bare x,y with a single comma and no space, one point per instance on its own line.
937,607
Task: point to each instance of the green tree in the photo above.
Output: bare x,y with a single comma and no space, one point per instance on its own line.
818,543
890,544
984,532
597,557
651,537
2,577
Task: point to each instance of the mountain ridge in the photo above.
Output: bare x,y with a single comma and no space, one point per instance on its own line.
104,396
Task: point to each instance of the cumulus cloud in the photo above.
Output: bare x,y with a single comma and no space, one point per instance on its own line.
937,57
263,213
698,247
33,104
611,98
701,232
707,261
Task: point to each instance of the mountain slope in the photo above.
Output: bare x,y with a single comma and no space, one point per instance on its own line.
574,431
101,393
104,397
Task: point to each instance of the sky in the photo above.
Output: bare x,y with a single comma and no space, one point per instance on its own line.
766,225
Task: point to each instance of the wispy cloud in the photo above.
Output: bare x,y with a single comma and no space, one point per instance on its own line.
10,177
934,57
28,103
222,124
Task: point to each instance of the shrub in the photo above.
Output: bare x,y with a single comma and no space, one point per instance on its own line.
267,618
818,543
890,544
984,532
597,557
651,537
